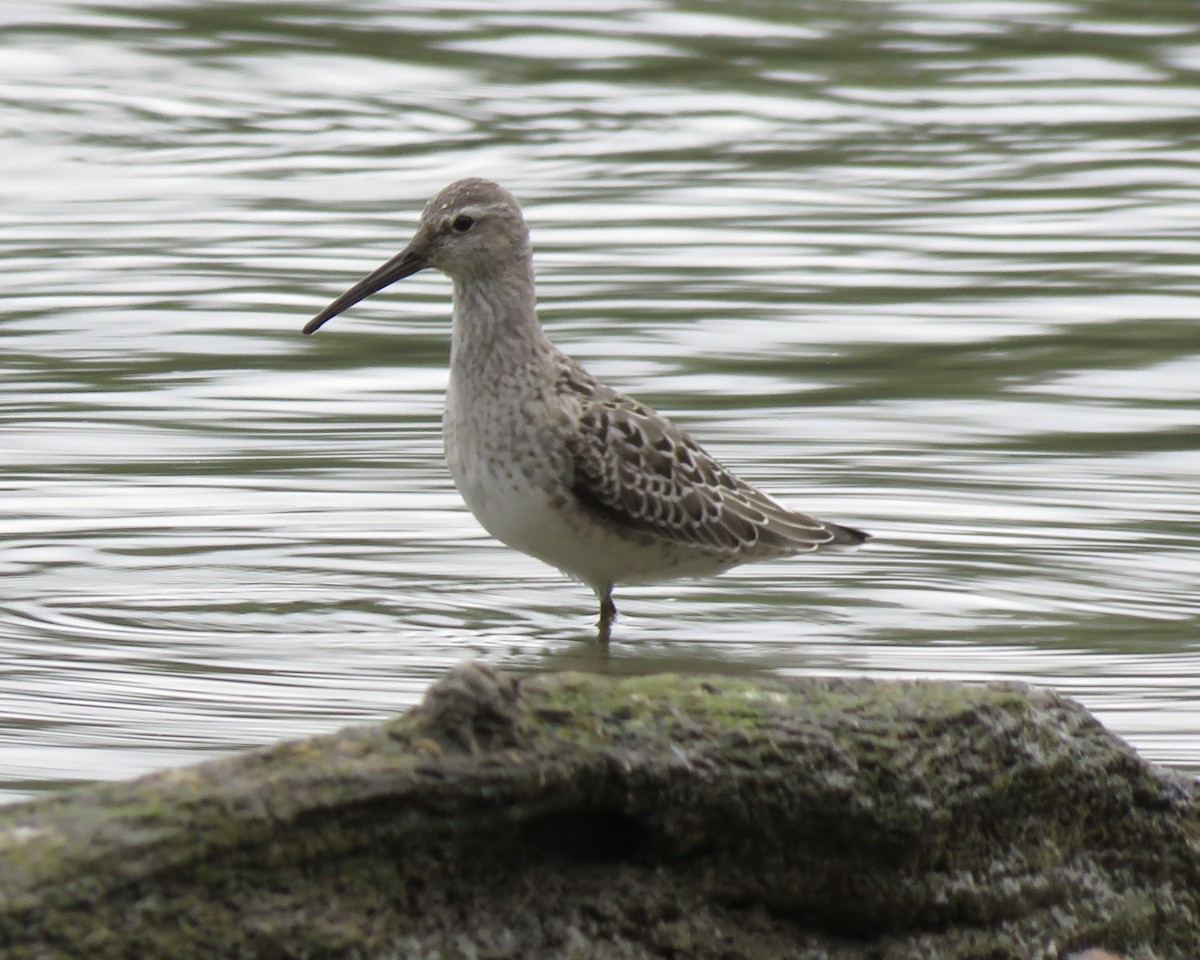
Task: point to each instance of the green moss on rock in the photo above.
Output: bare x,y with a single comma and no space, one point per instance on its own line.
662,816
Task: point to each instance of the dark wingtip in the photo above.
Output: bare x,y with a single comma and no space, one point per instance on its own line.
846,536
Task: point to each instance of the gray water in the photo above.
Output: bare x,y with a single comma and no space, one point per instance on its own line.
925,268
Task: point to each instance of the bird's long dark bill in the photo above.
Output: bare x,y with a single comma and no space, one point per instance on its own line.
404,264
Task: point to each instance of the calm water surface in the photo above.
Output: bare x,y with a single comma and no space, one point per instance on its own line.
925,268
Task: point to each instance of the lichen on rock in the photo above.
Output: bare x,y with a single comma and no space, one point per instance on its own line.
663,816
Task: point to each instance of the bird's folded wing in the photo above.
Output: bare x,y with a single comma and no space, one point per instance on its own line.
637,470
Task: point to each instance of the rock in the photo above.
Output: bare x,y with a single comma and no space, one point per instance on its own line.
581,816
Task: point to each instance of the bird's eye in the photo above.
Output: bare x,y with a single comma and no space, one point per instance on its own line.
462,223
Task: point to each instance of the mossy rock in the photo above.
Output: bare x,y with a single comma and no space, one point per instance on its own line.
665,816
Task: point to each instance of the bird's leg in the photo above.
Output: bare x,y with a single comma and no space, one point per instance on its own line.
608,613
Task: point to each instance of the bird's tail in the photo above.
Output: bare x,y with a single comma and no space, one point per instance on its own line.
845,536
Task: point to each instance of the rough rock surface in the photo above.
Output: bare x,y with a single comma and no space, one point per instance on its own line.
571,816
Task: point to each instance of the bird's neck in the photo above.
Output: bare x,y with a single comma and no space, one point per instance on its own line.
495,318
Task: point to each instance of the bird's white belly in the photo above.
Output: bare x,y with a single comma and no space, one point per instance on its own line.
507,500
543,520
525,518
513,478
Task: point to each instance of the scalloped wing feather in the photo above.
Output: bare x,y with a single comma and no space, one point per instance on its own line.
636,469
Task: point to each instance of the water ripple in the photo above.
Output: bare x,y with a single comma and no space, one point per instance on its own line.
925,268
